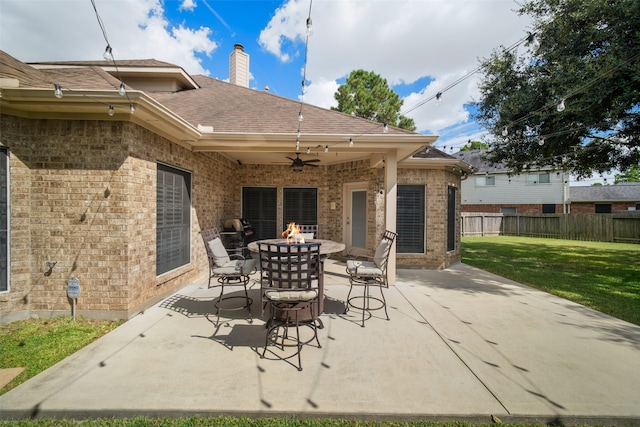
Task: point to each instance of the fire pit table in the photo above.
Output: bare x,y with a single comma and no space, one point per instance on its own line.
327,247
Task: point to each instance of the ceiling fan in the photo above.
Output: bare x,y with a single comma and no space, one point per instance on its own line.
297,164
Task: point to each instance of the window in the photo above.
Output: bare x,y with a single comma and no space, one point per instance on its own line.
481,181
260,208
539,178
299,205
410,221
451,219
548,208
603,207
4,220
173,220
508,210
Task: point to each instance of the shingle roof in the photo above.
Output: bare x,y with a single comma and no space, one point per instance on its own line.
623,192
476,159
432,153
91,77
104,63
231,108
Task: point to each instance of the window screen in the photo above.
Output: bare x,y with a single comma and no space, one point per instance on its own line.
173,220
300,205
410,222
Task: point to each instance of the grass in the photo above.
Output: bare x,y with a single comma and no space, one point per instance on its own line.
602,276
37,344
239,422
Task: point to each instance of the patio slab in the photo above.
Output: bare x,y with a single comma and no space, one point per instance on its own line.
462,344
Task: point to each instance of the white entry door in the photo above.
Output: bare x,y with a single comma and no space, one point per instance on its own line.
356,218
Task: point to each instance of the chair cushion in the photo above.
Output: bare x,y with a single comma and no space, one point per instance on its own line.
381,253
363,268
219,253
292,295
236,267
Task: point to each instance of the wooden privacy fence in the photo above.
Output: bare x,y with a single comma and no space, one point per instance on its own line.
614,227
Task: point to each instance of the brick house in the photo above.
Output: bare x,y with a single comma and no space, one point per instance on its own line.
113,189
624,196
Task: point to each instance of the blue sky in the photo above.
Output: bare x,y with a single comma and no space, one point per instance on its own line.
419,46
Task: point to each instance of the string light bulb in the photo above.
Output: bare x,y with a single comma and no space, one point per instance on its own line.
132,108
308,150
505,131
438,98
541,141
326,148
561,106
123,90
532,41
297,144
350,142
385,128
108,53
111,111
309,26
58,91
300,117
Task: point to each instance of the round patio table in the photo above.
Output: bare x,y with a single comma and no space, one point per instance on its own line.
327,247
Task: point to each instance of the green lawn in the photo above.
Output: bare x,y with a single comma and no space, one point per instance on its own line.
37,344
602,276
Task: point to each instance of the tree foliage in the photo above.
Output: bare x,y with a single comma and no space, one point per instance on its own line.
631,175
368,95
587,55
475,145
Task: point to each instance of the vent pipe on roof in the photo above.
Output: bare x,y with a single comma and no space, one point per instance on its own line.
239,66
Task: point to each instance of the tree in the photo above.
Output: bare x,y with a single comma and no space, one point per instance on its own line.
573,101
366,94
631,175
475,145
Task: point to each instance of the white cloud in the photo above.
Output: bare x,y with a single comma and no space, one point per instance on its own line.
145,33
188,5
403,41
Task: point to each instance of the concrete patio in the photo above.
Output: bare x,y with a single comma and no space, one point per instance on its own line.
462,344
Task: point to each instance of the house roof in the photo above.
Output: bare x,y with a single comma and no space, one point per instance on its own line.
622,192
476,159
206,114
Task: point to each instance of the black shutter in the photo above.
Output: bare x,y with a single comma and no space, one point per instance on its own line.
260,208
451,219
173,218
300,205
4,219
410,222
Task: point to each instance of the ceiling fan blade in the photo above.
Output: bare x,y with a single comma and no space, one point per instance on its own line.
293,160
310,164
312,160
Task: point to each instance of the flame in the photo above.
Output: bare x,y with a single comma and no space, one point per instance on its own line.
293,234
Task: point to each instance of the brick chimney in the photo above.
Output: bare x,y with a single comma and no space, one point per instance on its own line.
239,66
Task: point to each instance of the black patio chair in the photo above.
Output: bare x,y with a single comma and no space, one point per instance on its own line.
367,273
290,275
229,270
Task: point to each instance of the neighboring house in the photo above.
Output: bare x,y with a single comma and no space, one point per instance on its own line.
495,189
624,196
114,189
